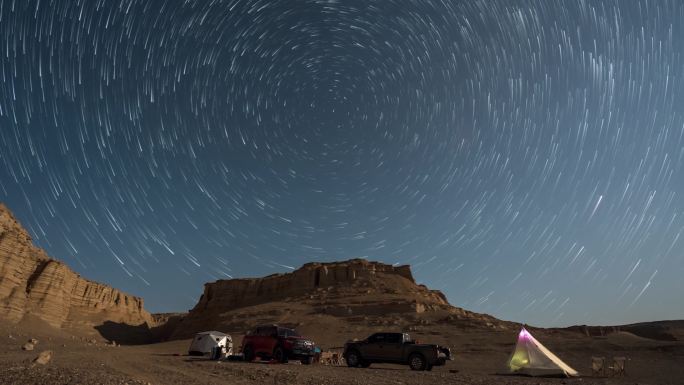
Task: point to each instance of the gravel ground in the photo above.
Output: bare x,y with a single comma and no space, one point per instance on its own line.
82,360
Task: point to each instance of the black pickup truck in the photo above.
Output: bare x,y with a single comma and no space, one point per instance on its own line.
395,348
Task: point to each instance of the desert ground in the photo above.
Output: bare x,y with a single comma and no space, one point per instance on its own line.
479,355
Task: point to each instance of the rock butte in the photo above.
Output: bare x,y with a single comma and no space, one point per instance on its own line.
237,293
320,296
32,283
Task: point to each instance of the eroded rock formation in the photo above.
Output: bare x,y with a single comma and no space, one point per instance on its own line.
351,292
236,293
33,283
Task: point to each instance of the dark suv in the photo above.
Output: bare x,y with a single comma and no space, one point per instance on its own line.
396,348
278,343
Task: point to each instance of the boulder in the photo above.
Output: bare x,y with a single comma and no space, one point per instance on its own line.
44,357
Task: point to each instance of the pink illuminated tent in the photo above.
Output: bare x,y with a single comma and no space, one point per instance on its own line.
531,358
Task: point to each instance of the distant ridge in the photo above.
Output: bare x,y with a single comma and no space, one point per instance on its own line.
656,330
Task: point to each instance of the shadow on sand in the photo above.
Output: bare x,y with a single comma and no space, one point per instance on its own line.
125,334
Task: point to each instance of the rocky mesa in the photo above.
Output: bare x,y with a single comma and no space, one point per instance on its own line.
324,299
237,293
32,283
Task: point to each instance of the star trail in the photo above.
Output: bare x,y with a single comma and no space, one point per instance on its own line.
525,157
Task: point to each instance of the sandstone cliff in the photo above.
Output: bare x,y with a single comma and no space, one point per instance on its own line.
318,296
32,283
236,293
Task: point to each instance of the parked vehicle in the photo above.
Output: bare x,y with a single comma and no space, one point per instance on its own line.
396,348
278,343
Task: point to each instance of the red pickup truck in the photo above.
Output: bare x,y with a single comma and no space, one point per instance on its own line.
278,343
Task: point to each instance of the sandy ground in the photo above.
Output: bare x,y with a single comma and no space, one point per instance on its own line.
77,360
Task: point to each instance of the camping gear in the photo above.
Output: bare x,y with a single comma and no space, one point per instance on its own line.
204,342
215,353
598,366
332,358
617,368
532,358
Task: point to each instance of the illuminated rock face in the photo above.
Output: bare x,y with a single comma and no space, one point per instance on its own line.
33,283
344,290
237,293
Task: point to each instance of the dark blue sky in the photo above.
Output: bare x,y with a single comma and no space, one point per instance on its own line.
525,157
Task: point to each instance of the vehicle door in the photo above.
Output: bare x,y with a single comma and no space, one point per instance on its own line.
255,339
262,340
373,349
393,347
270,339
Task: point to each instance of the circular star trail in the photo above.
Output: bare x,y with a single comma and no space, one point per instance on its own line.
525,157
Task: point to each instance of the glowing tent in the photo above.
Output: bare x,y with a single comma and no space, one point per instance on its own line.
531,358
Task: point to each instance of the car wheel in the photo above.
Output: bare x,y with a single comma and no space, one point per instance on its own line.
248,353
307,361
280,355
417,362
353,359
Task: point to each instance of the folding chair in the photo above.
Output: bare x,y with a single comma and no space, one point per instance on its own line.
325,358
618,367
598,366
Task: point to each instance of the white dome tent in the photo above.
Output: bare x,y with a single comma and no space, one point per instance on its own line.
205,341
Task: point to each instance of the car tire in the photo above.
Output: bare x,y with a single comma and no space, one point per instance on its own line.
280,355
248,353
307,361
417,362
353,359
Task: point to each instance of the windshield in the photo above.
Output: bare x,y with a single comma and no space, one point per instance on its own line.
283,332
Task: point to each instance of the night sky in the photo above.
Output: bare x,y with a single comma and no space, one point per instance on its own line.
525,157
